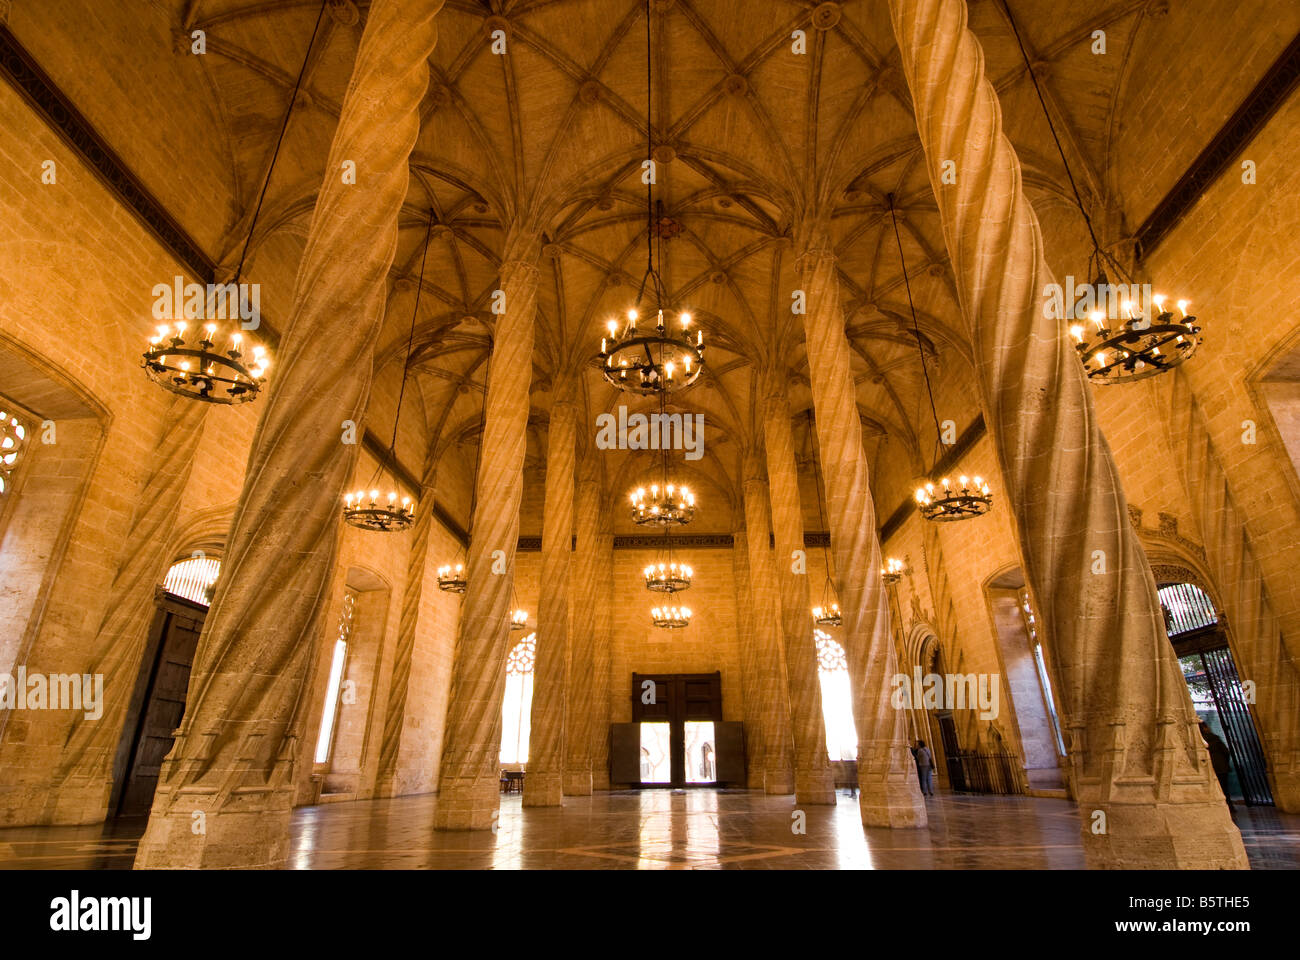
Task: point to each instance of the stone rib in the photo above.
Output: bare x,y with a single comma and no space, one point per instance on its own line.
1135,751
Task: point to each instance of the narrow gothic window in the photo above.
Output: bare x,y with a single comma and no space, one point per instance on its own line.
1031,628
517,705
325,741
837,699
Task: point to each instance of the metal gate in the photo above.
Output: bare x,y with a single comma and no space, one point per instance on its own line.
1238,727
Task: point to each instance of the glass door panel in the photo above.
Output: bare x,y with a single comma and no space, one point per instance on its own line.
701,754
656,753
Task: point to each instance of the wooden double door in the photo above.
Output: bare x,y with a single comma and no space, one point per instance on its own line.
678,737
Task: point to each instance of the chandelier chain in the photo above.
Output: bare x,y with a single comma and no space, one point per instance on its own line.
916,329
293,99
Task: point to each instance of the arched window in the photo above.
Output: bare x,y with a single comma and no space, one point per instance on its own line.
837,699
517,706
193,579
13,441
1040,662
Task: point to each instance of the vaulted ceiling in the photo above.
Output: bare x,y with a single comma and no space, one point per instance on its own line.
746,132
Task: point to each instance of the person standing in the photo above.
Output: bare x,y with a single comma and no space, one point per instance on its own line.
1219,758
924,768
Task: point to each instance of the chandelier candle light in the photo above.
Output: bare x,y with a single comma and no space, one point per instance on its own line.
892,571
664,356
973,499
452,578
196,368
1121,348
671,618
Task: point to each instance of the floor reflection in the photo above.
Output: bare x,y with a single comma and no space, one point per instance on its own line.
662,829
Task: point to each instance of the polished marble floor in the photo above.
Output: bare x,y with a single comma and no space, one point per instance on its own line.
662,830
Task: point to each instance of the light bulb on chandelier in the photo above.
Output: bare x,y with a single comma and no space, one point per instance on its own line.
971,499
892,571
671,618
452,578
662,504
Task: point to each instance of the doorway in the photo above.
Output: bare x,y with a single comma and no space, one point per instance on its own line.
1206,659
679,725
157,704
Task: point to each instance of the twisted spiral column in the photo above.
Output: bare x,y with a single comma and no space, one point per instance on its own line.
778,747
604,632
234,755
1261,644
470,779
404,648
83,778
812,768
233,759
748,661
580,720
1135,751
543,785
889,792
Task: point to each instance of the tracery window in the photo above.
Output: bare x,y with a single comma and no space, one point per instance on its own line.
14,432
517,705
837,699
329,715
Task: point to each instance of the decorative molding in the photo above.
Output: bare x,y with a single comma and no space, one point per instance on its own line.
25,75
1242,127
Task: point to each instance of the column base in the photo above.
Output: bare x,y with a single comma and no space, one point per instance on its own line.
187,831
1286,791
814,786
467,804
543,789
577,783
778,780
1195,835
893,800
600,781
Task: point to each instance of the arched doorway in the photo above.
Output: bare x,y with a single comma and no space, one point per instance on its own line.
158,701
1221,701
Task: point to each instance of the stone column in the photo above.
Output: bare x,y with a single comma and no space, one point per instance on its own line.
604,655
231,766
812,768
83,779
774,710
468,793
412,593
579,714
889,792
542,785
1137,758
748,661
